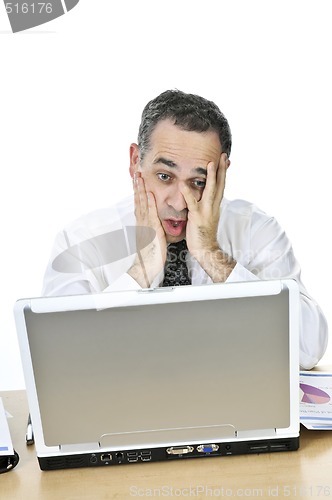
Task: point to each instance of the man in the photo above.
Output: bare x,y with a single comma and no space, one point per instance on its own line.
178,228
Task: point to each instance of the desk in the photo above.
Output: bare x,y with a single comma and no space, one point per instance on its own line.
306,473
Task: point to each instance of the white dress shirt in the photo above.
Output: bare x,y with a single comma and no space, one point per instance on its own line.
94,253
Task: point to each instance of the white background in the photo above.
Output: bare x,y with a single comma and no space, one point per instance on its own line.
71,94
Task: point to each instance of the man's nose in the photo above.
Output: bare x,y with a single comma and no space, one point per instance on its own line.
176,199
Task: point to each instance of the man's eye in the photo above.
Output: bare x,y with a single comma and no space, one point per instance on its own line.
199,183
163,177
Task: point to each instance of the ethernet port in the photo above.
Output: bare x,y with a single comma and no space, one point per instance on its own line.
106,457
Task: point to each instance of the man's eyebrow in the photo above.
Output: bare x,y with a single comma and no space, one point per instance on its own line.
201,170
172,164
168,163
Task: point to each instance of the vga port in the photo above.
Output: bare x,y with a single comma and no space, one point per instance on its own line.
207,448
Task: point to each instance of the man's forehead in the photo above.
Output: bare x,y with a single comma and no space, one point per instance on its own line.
168,138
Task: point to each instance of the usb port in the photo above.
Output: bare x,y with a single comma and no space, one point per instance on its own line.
146,456
132,456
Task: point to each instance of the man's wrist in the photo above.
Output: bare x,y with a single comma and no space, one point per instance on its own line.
216,263
145,270
138,273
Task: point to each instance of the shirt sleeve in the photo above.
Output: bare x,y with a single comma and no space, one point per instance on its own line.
79,268
124,282
271,257
240,273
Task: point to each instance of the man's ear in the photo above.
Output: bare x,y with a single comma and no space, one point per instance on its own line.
134,159
227,161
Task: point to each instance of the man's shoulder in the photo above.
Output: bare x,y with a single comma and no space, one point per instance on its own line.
98,220
239,207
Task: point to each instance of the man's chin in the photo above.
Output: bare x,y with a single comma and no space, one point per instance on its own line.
175,239
172,238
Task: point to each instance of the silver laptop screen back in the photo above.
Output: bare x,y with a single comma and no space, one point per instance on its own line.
162,373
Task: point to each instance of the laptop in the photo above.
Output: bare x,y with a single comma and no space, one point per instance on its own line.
162,374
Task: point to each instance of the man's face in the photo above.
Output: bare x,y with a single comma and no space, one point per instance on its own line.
175,158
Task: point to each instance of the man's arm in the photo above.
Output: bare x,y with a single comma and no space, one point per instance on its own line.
66,273
94,252
270,256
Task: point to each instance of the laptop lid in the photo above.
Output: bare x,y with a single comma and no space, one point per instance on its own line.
162,368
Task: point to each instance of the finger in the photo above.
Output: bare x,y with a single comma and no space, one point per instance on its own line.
221,177
189,198
136,196
154,220
140,198
152,206
211,184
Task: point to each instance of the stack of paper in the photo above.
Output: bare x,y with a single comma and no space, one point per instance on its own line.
316,400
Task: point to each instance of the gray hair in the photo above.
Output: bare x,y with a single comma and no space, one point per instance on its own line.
189,112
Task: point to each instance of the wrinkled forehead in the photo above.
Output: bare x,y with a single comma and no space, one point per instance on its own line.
171,140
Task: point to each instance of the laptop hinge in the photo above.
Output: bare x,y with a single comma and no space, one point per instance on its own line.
75,448
257,433
157,289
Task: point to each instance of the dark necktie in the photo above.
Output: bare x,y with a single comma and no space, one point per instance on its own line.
176,271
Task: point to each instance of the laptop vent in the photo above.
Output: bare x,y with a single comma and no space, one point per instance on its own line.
65,462
261,447
281,446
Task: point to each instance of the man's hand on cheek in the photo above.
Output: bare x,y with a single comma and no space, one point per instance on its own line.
203,214
150,236
203,220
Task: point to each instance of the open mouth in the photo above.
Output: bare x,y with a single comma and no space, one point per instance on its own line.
174,227
175,223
